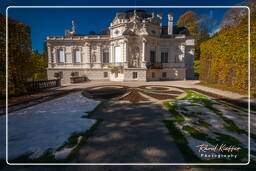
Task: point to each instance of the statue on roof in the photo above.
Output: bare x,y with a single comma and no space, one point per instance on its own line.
73,32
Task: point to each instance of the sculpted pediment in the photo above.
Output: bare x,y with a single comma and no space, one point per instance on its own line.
129,32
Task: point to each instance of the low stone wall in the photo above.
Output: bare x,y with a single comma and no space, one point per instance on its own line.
95,74
127,75
141,74
171,74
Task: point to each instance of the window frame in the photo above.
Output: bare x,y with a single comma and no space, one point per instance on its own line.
153,75
152,56
59,56
164,74
105,74
104,61
75,57
164,57
134,75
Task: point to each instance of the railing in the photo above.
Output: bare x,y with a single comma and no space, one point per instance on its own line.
154,65
37,85
116,67
78,79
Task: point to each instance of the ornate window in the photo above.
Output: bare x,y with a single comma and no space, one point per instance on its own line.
105,74
118,57
135,75
116,31
152,56
61,55
153,75
164,74
77,56
164,56
105,56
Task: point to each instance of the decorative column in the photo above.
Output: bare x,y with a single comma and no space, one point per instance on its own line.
112,60
126,53
54,60
158,53
50,60
88,55
143,62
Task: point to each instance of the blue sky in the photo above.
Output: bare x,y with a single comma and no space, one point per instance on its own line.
52,22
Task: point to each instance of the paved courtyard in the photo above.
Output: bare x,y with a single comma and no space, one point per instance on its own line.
131,128
130,133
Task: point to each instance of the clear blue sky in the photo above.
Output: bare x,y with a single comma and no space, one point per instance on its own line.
53,22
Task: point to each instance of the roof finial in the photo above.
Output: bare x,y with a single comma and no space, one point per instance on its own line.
73,27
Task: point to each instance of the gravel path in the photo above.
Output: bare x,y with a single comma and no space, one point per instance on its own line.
130,133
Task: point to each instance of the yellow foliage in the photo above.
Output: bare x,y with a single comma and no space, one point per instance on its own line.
224,58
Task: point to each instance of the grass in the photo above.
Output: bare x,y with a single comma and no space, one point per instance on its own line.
200,100
195,133
231,126
203,124
173,110
181,142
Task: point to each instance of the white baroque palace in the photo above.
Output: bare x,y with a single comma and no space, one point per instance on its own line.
135,47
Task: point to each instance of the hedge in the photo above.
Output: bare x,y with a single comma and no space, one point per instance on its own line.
224,58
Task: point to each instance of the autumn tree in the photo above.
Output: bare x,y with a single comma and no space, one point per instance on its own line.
198,26
189,20
2,55
20,64
40,63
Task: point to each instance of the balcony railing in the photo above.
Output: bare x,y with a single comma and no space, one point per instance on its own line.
116,67
78,79
155,65
38,85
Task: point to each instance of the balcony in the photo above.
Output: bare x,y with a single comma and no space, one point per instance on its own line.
116,67
154,65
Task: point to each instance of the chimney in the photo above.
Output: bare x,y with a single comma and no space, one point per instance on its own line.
170,23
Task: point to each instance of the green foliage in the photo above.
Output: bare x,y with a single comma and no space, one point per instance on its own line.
2,55
224,58
40,64
22,63
196,66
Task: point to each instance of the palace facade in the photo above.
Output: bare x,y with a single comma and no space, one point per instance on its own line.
135,47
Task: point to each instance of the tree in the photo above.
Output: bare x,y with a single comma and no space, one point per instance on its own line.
40,63
20,64
2,55
198,26
189,20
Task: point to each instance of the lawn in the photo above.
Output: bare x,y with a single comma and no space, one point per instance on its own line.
200,120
